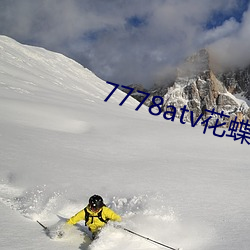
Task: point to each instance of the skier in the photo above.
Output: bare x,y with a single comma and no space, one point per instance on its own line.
95,214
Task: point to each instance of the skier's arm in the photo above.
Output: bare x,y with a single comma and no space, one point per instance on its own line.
77,217
110,214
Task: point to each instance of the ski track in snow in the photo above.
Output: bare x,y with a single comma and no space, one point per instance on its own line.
145,214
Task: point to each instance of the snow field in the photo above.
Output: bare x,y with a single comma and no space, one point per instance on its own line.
60,143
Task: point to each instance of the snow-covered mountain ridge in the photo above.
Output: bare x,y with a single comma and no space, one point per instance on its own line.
37,74
29,64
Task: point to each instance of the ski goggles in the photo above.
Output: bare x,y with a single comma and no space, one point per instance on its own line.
94,208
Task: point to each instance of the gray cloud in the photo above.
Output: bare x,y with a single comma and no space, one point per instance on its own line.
233,49
136,41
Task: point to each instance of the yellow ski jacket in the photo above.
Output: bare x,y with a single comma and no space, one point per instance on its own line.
94,223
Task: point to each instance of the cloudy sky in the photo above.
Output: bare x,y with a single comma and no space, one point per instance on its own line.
131,41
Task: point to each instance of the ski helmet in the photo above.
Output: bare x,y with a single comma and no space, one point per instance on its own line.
95,202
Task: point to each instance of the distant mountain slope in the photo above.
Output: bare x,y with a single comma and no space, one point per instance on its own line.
27,69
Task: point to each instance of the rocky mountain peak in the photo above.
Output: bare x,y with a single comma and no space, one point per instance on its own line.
197,64
200,89
201,86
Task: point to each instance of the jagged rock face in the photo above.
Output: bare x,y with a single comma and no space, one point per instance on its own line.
237,81
197,87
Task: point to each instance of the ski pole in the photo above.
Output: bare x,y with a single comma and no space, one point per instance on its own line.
45,228
146,238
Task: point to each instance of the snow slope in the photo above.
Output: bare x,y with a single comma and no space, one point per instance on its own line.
60,143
